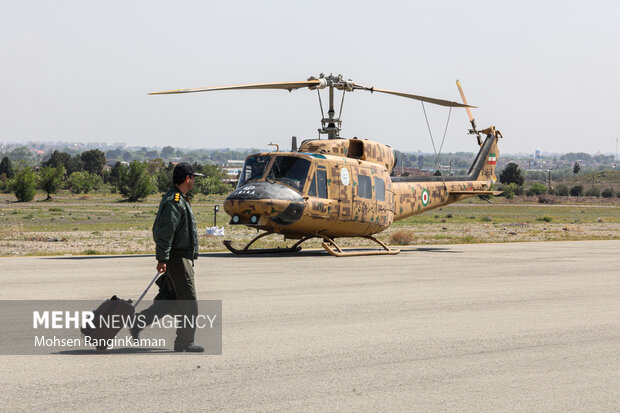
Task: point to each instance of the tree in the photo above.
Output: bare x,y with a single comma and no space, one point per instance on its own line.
6,168
167,152
154,165
576,168
213,181
164,179
93,160
511,174
24,185
50,179
75,164
83,181
58,159
115,173
135,183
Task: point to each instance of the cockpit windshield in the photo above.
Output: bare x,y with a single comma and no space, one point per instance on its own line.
290,170
254,168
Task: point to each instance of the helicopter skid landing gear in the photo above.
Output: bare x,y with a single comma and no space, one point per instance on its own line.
338,252
246,250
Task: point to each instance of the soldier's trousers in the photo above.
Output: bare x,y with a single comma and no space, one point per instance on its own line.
177,296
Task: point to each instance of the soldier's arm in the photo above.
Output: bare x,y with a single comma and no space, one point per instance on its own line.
164,232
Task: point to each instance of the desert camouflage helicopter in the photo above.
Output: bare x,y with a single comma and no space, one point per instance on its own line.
339,187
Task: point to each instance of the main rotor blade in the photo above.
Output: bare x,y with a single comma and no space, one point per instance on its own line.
440,102
471,117
280,85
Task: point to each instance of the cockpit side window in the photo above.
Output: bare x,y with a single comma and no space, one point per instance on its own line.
364,187
312,189
290,170
254,168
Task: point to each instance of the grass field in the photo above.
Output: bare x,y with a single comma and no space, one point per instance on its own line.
103,224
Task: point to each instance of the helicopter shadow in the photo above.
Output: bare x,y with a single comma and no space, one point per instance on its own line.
322,253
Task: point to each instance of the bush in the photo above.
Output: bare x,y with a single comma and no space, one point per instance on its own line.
576,190
536,189
546,199
608,193
545,218
562,190
401,237
519,190
594,191
84,182
24,185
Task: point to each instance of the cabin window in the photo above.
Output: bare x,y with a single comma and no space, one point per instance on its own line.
318,187
364,187
379,189
321,182
290,170
254,168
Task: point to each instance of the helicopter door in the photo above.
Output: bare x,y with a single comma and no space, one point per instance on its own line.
318,194
342,182
381,201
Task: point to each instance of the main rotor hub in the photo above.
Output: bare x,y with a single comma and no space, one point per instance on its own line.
331,125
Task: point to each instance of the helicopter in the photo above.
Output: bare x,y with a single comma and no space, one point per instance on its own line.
343,187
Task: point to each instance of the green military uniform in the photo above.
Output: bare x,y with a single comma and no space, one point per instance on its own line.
176,241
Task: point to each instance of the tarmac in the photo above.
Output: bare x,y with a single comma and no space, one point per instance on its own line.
480,327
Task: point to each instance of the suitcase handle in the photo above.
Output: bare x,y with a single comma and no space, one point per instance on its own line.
147,289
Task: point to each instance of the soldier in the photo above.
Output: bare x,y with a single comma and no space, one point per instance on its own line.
176,241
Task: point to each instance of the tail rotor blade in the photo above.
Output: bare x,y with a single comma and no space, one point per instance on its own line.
471,117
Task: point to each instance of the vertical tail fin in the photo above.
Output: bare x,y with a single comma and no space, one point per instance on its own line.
488,168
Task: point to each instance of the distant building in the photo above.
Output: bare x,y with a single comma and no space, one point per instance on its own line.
232,169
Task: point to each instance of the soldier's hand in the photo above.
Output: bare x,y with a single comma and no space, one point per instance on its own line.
161,267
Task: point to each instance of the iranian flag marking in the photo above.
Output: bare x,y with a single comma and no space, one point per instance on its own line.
492,159
425,197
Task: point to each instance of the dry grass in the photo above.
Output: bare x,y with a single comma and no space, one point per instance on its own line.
402,237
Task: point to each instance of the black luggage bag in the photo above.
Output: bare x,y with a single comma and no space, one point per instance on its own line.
110,317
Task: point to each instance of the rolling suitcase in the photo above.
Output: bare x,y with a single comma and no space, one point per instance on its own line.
110,317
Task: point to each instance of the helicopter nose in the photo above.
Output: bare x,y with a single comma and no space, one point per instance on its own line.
258,203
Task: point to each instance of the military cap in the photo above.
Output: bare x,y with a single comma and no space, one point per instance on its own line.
183,169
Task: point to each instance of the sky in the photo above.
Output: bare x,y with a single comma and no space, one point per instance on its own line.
545,73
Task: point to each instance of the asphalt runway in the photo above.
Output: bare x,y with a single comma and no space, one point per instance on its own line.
480,327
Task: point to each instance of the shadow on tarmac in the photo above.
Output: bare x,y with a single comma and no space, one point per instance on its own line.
127,350
322,253
302,253
96,257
